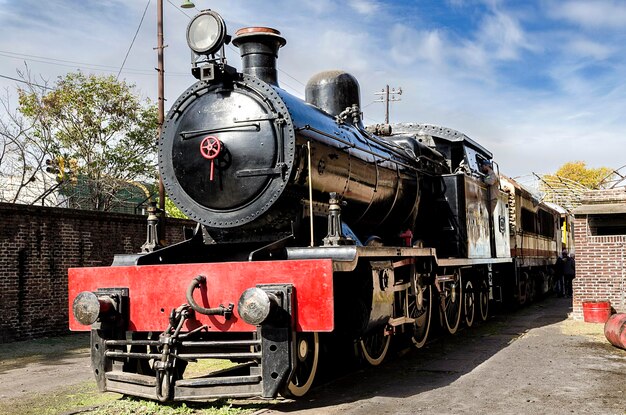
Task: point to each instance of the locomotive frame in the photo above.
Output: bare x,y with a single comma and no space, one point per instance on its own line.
310,227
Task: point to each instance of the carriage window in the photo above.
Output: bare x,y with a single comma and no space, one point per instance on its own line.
601,225
529,221
546,224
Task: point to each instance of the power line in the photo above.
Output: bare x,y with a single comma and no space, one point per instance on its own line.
372,120
113,69
282,83
24,55
133,41
373,102
285,73
83,65
26,82
178,8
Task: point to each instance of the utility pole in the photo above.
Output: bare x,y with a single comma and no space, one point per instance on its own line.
161,109
388,96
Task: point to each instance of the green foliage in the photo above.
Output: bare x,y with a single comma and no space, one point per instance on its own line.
134,406
578,172
63,400
102,124
172,210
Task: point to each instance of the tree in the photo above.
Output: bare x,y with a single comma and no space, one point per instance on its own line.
577,171
23,151
100,123
172,210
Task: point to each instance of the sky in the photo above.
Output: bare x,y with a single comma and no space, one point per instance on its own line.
538,82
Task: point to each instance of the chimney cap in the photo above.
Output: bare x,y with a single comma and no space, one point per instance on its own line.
246,32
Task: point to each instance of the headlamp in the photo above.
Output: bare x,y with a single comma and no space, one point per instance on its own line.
206,33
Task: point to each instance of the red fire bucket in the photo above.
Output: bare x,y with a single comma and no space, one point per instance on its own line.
615,330
596,311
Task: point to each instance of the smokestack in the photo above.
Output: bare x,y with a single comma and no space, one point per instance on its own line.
259,50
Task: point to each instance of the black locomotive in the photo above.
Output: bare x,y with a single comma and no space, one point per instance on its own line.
308,223
268,145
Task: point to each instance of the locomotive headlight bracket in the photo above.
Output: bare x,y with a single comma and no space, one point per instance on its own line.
206,33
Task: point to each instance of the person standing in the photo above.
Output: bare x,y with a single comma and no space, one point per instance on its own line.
491,177
492,180
569,273
559,286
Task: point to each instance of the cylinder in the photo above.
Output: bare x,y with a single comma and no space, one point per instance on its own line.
615,330
259,50
596,311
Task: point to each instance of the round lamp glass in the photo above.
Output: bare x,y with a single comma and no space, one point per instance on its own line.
205,33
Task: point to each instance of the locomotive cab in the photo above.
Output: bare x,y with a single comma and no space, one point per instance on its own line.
463,217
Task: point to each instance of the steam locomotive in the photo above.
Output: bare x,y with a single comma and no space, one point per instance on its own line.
310,225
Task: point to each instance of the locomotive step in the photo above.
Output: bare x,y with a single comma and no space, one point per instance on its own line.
225,380
186,393
188,389
241,381
131,383
131,378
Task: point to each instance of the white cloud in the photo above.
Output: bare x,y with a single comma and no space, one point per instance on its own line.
453,73
409,45
585,48
319,6
502,36
475,59
365,7
593,14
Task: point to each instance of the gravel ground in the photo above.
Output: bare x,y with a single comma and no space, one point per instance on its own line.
42,366
534,360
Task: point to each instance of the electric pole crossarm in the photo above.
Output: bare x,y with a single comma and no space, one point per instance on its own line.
388,96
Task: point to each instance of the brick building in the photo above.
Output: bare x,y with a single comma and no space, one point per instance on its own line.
600,240
38,245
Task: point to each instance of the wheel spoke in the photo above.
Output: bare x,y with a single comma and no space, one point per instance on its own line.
522,288
469,303
374,346
483,301
452,297
420,309
307,351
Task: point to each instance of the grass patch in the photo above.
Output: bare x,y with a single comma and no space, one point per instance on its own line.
61,401
205,366
86,399
133,406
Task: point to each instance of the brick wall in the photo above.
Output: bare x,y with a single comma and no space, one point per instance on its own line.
604,196
600,260
39,244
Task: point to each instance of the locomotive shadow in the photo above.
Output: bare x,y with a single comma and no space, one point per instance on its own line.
54,351
439,363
